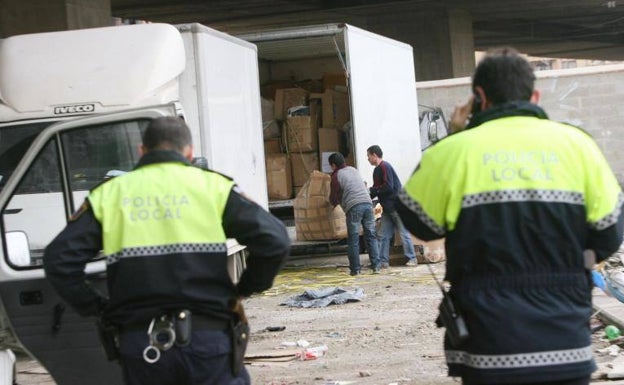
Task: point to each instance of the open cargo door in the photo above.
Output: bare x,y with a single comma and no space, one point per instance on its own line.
383,100
220,95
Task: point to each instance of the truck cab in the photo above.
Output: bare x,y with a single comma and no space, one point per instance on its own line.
73,107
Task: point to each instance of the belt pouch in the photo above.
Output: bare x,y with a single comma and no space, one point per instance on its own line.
183,327
240,338
109,338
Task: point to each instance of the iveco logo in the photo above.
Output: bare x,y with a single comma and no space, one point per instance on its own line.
75,109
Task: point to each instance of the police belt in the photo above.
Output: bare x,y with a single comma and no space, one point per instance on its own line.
200,322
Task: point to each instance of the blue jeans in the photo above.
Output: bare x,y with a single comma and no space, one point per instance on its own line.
361,214
390,221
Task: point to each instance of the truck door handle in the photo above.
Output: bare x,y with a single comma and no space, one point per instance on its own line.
12,211
59,309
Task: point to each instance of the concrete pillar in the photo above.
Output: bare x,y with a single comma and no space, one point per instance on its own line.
20,17
461,39
442,39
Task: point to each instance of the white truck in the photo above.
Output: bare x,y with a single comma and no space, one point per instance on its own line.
73,105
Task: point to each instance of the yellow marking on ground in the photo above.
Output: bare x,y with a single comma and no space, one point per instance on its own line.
300,279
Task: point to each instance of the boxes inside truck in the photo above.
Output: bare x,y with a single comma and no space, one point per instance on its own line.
328,140
295,130
303,164
279,177
364,91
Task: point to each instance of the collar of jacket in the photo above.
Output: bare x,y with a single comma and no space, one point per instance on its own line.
516,108
161,156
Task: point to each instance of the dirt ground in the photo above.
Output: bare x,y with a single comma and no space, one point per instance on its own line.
387,338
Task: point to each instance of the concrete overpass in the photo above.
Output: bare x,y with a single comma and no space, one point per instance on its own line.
444,33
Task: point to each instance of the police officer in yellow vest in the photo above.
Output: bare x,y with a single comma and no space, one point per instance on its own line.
163,228
526,206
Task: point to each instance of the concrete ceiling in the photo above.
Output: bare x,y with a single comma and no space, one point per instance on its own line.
584,29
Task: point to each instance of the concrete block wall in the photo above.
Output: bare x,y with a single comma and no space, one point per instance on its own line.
590,97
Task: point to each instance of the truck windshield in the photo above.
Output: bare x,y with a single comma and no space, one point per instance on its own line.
14,141
59,177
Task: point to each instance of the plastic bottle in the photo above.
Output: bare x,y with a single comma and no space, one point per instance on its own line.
314,352
612,332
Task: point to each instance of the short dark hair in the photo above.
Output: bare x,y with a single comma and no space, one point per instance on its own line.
505,76
167,133
336,159
375,149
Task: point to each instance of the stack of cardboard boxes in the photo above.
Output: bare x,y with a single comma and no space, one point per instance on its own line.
304,126
306,122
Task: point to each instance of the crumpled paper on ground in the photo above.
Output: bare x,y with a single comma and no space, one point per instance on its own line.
324,297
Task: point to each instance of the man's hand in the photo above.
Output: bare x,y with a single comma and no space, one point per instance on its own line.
460,116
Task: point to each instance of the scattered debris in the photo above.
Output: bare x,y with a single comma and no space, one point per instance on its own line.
617,370
324,297
612,350
275,328
272,356
313,353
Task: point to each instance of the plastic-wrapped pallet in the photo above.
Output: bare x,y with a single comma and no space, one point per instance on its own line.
315,218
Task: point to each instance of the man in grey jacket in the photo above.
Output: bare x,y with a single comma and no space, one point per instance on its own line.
349,191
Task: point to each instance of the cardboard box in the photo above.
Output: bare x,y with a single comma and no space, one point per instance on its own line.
315,218
328,140
273,146
278,173
289,97
296,189
349,160
335,108
303,163
333,81
269,89
301,133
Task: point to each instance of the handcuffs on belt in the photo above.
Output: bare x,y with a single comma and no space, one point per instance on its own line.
162,334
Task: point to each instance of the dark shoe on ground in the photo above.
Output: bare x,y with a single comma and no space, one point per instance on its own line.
384,266
376,270
357,272
411,262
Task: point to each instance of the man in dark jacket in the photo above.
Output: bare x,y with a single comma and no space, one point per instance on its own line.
527,206
386,186
162,229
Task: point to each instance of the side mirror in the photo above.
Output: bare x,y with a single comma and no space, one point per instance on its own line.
17,248
432,127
